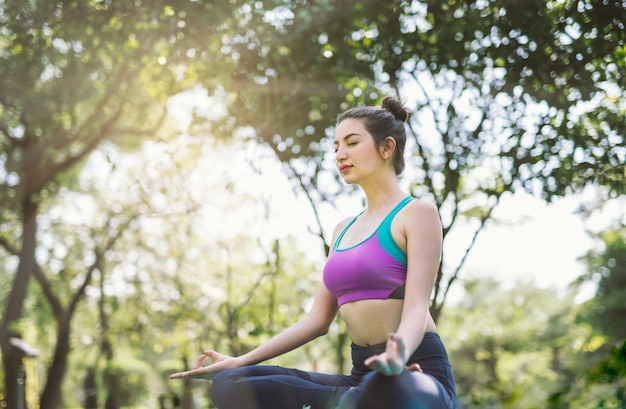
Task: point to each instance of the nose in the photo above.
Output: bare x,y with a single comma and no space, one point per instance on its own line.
340,154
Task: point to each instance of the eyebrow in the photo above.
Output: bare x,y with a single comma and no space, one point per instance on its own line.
350,135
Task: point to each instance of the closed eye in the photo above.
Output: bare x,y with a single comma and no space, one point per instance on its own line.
349,140
348,144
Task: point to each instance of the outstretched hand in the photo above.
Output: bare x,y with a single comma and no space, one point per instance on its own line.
208,372
391,362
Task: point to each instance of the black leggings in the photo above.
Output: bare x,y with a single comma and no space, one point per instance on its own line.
272,387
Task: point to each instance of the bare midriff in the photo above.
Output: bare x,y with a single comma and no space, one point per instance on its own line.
370,322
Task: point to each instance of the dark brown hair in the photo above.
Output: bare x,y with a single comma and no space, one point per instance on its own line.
381,122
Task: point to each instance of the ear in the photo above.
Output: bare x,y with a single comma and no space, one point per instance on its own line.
387,147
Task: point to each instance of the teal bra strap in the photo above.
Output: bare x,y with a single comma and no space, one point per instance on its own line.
345,229
384,234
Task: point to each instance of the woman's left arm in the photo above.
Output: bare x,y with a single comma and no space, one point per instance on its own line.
421,227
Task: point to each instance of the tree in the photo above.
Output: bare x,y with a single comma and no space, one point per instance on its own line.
74,74
520,347
183,278
489,110
605,349
506,96
606,311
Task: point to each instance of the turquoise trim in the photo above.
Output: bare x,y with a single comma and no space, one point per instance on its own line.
384,234
386,239
344,232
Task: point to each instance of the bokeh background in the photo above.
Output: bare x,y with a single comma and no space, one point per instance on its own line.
167,185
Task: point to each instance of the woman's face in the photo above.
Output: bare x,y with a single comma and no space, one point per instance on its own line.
356,154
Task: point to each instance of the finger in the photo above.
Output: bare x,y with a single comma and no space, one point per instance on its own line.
400,345
207,353
369,361
414,367
395,363
379,364
199,361
214,355
392,348
395,343
199,373
396,367
180,375
380,368
372,361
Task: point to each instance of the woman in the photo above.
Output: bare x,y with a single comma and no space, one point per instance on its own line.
379,276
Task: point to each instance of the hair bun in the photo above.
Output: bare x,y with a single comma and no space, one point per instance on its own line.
396,108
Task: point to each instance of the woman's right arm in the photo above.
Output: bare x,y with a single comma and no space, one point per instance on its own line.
315,324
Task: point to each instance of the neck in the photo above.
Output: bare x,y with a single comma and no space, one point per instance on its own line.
382,194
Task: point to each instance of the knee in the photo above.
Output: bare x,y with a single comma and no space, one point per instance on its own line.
348,399
223,387
405,391
375,391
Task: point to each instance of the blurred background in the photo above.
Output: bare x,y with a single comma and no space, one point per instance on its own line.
167,185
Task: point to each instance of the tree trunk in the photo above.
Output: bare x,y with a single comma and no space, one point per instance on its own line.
187,399
11,364
15,301
90,389
51,395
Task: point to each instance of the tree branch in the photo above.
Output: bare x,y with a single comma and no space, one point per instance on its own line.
10,248
46,288
483,221
306,192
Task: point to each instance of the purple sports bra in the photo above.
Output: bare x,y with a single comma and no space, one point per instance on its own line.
373,269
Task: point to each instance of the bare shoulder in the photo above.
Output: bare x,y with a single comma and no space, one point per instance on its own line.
340,226
422,210
421,216
337,230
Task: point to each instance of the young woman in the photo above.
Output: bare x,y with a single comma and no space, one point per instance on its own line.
379,276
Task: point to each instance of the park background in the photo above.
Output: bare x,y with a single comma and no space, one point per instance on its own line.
167,185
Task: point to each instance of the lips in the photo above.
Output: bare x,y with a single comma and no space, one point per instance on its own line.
344,168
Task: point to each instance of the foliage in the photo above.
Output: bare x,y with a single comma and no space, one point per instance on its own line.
175,283
510,347
75,74
101,76
605,348
553,53
505,96
606,312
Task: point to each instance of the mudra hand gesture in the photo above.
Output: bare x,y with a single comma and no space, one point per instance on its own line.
208,372
391,362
